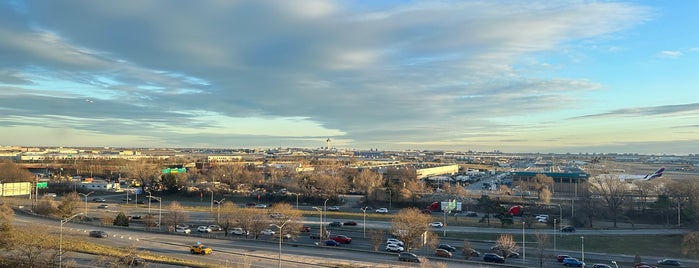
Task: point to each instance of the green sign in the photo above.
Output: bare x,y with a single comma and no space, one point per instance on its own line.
42,185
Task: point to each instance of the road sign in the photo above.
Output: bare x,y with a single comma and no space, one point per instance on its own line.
42,185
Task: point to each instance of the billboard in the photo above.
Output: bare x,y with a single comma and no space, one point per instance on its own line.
15,188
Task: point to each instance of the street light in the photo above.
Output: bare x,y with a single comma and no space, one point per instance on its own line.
297,200
281,236
524,248
218,210
364,225
615,265
60,243
160,210
582,247
212,201
554,235
85,195
390,199
320,230
149,197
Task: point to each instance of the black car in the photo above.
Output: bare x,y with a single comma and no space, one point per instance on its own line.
98,234
669,262
492,257
350,223
336,224
446,247
409,257
568,229
99,200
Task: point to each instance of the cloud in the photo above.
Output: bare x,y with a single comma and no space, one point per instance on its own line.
670,54
661,110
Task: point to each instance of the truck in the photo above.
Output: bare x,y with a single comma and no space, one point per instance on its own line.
440,206
515,211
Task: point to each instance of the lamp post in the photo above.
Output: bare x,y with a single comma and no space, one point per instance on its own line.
218,210
149,197
60,243
212,201
524,248
297,200
554,235
678,213
160,210
364,225
390,199
582,247
320,230
85,195
615,265
281,236
560,214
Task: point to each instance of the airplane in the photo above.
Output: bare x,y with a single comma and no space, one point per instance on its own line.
627,177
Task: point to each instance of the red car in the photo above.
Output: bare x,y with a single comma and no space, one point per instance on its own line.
560,258
341,239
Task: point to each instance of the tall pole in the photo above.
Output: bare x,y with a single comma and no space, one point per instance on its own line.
218,210
320,229
60,243
297,200
524,248
554,235
582,247
149,198
85,195
364,225
212,201
678,213
390,199
281,236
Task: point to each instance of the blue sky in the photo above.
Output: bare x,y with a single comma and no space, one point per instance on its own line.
514,76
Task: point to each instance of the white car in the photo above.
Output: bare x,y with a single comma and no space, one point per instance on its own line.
204,229
215,227
382,210
394,248
183,230
238,231
395,242
437,224
334,208
542,218
267,232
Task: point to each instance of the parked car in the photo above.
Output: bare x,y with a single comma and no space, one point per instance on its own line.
332,243
342,239
267,232
395,241
334,208
238,231
335,224
670,262
394,248
103,206
204,229
437,224
600,265
560,258
382,210
492,257
447,247
98,234
442,253
409,257
568,229
350,223
573,262
183,230
181,225
260,206
215,227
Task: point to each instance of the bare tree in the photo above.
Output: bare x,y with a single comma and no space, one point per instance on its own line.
542,240
410,225
506,244
253,220
176,215
690,244
12,172
68,204
467,250
368,180
226,216
613,192
281,212
150,221
376,238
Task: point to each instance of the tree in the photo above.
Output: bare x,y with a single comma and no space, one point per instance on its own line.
121,220
409,225
68,204
253,220
7,215
172,183
150,221
542,240
175,216
12,172
613,192
227,215
368,180
690,244
376,238
284,212
148,173
539,183
506,244
489,206
467,250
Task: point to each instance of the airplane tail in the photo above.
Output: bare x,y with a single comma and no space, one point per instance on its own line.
656,174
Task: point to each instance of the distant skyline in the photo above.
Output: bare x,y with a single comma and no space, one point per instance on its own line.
514,76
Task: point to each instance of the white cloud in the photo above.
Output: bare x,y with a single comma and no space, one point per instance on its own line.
670,54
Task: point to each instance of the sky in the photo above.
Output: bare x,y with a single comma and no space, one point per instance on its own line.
513,76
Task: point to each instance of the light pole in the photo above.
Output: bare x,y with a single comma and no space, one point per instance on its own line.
524,248
364,225
390,199
218,210
554,235
281,236
160,210
615,265
320,229
60,243
85,195
149,197
678,212
297,200
212,201
582,247
560,215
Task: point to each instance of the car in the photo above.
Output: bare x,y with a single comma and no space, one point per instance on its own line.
305,228
600,265
334,208
395,241
199,248
98,234
183,230
568,229
394,248
276,215
286,236
492,257
238,231
260,206
545,217
181,226
437,224
342,239
140,202
513,254
644,265
99,200
382,210
332,243
350,223
204,229
135,217
447,247
542,220
103,206
471,214
473,253
442,253
409,257
215,227
670,262
335,224
560,258
126,199
573,262
267,232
